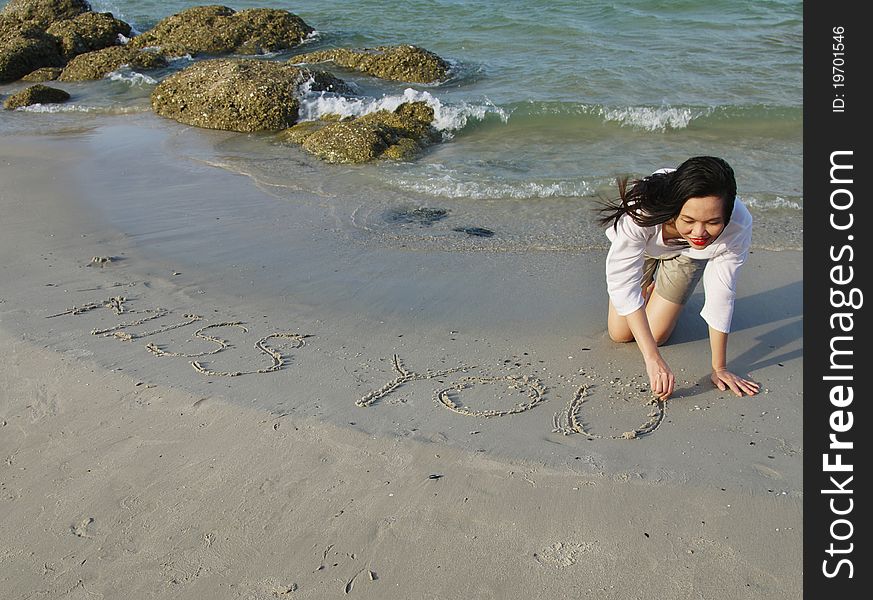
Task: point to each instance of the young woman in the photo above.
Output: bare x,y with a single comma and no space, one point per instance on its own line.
666,232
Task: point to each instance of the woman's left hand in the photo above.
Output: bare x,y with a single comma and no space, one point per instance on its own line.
724,379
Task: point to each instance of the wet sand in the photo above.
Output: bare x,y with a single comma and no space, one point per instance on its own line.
255,398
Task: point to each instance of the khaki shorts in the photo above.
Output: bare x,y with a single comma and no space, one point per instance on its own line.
675,277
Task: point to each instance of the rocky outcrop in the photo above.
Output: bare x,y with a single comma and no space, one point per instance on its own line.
47,33
98,64
43,74
398,135
35,94
88,32
215,30
43,40
238,94
45,12
24,49
398,63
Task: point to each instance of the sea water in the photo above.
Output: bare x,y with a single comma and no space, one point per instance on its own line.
548,103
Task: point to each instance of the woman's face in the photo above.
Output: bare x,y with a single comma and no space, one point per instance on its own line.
701,220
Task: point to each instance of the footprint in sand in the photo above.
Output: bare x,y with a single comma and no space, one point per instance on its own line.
560,555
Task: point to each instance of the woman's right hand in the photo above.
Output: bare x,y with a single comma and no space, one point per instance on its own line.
661,378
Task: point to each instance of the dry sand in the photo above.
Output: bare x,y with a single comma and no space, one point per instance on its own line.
273,406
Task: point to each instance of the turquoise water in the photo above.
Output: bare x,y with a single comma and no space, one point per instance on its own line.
549,102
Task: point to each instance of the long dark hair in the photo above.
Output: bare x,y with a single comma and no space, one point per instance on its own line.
660,197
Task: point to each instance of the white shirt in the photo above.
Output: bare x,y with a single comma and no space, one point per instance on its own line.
632,243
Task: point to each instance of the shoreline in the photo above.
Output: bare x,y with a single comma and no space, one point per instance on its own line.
293,271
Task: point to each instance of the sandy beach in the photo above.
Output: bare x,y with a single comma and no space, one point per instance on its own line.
208,392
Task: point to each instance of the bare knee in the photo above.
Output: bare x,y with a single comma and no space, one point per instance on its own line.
622,337
662,337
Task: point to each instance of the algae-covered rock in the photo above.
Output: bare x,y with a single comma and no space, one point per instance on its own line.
297,134
36,94
41,33
99,63
24,49
398,135
397,63
238,94
88,32
43,74
45,12
218,29
10,25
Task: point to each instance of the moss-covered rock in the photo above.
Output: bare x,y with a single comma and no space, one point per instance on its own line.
99,63
24,49
348,142
397,63
238,94
45,12
43,74
216,29
9,25
297,134
398,135
88,32
36,94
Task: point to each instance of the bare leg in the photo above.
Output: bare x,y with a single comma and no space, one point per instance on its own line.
661,314
617,326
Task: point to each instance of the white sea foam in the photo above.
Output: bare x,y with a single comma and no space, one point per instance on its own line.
81,108
649,118
448,183
771,203
311,38
175,61
447,118
126,75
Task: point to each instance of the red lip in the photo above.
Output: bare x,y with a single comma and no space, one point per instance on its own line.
698,241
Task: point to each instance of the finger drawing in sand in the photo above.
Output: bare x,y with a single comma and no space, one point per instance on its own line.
531,387
115,303
120,331
405,376
569,421
278,359
221,343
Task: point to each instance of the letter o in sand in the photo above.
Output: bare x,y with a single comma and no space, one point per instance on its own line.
535,394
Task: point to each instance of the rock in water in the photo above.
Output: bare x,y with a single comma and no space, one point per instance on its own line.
396,63
98,64
87,32
36,94
215,30
238,94
43,74
37,34
45,12
398,135
24,49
